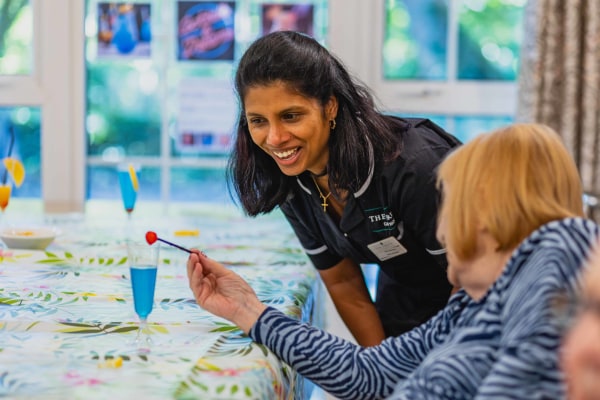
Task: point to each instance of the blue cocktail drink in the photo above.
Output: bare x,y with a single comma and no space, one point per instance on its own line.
128,191
143,263
143,282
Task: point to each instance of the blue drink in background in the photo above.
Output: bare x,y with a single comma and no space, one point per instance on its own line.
143,282
128,193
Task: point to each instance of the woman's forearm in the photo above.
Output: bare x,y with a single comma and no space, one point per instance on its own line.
346,286
361,318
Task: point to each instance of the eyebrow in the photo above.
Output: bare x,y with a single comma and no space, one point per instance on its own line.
281,112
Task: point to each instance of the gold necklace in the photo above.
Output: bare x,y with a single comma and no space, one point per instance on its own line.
321,195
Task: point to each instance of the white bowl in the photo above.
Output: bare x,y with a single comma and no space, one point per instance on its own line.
34,238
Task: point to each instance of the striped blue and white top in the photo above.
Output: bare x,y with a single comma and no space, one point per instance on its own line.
503,346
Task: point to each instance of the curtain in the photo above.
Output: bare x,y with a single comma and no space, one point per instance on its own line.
559,80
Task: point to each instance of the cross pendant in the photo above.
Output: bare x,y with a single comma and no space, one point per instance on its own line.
324,204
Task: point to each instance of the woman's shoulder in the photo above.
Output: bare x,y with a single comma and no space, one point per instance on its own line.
419,129
556,251
422,142
573,233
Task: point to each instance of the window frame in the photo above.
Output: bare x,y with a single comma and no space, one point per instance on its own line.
57,86
488,98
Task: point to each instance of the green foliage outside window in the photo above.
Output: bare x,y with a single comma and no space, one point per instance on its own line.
15,37
489,40
416,39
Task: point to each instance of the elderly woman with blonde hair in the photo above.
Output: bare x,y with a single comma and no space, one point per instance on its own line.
512,222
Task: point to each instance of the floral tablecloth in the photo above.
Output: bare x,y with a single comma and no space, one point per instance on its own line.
67,317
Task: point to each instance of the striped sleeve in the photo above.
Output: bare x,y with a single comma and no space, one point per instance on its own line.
342,368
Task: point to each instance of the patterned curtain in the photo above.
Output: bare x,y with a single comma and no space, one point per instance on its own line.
560,78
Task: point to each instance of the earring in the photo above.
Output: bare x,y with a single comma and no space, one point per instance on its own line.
332,124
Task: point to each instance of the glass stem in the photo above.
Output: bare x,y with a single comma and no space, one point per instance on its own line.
143,326
129,227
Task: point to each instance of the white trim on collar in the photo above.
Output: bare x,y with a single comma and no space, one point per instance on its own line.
365,185
307,190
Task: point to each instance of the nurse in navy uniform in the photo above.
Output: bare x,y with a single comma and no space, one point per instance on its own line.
356,185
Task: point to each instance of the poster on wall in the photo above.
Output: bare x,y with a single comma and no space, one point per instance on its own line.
287,17
124,30
206,116
205,30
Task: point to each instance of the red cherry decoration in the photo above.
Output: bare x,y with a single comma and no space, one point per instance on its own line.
151,237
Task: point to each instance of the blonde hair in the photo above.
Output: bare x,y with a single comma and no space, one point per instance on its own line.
510,182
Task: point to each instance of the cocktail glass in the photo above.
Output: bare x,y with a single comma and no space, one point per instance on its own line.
143,266
128,182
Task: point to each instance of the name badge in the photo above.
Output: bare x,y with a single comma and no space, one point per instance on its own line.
387,248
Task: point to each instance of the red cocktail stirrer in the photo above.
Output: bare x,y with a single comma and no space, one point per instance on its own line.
151,237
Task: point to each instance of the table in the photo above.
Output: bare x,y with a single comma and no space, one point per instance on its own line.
66,313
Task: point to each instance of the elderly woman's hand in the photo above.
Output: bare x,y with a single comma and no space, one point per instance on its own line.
222,291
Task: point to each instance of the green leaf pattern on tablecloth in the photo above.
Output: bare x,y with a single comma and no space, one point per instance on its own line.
71,307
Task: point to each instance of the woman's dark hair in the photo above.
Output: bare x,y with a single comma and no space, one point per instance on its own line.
302,63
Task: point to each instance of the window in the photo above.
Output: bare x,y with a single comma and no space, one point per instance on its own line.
42,98
454,61
159,99
19,120
16,37
143,105
417,39
20,138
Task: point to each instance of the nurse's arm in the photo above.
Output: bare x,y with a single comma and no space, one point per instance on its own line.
348,290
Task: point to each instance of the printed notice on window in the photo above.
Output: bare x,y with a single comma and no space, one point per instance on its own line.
206,117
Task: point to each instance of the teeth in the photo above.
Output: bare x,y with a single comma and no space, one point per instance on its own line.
285,154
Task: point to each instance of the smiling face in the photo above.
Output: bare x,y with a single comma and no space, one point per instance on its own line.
291,128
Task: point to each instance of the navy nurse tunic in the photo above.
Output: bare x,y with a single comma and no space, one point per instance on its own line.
398,203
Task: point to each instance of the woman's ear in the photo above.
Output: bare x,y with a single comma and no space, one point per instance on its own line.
331,108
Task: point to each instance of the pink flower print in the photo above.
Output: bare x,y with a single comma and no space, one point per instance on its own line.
5,255
73,378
